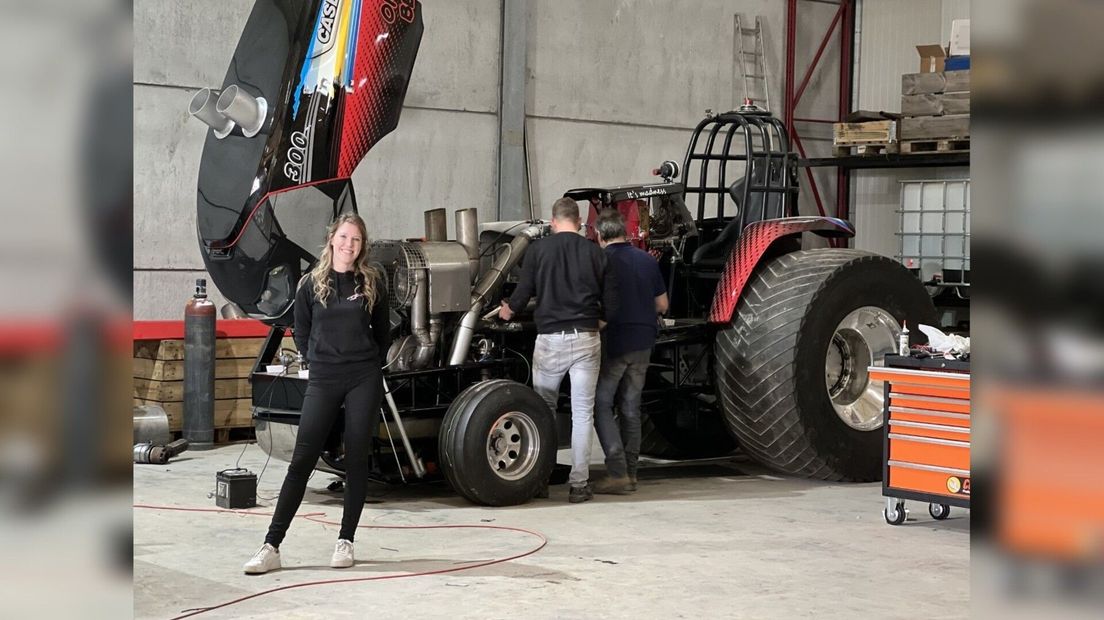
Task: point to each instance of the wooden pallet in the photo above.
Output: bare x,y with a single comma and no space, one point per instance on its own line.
235,435
225,348
872,148
226,435
229,413
170,391
161,370
949,145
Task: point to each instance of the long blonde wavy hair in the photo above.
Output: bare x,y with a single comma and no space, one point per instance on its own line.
365,273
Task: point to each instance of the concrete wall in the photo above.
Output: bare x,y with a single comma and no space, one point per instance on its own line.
614,88
890,32
442,154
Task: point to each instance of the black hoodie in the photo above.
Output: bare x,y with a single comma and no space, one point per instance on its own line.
345,331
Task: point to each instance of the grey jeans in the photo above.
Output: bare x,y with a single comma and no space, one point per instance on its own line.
579,355
621,437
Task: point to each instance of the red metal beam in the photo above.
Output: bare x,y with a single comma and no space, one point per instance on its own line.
809,175
224,328
820,51
844,18
791,45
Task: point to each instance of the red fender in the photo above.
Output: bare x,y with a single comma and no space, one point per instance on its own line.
751,247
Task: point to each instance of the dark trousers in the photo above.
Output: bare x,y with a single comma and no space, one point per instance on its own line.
620,437
360,390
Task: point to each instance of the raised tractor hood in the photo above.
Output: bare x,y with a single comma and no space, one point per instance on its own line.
312,86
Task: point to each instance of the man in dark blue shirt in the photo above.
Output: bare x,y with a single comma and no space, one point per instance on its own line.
629,336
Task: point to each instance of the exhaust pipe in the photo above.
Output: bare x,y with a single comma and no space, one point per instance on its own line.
203,106
467,235
488,285
435,226
247,111
425,332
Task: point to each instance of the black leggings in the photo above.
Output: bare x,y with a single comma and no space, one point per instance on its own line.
361,391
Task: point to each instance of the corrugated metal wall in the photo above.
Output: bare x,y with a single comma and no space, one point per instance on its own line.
890,30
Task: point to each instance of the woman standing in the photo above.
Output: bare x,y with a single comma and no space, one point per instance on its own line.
342,328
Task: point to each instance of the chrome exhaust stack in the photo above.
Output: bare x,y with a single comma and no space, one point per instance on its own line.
426,332
247,111
467,235
203,106
435,225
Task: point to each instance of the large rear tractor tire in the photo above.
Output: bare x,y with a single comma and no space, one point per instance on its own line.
792,365
497,443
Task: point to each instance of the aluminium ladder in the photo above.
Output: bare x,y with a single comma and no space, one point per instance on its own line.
751,64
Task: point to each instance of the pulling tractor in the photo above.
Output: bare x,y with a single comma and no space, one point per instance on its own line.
765,347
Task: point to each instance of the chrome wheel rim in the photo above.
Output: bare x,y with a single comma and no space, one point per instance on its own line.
862,339
513,445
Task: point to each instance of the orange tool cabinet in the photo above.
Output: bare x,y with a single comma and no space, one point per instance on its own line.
926,435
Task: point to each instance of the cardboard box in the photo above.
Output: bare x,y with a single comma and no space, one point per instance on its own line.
932,58
960,37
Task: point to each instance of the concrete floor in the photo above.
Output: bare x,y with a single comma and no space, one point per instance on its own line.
723,539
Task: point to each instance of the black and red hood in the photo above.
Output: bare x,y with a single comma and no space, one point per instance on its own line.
333,75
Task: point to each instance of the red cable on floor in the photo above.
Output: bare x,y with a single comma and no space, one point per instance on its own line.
312,517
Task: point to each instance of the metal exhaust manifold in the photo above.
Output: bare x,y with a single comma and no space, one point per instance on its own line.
247,111
233,107
203,107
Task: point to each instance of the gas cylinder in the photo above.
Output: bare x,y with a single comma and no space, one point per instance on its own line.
199,369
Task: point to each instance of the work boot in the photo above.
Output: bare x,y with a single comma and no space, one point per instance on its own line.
578,495
343,554
631,462
266,559
612,486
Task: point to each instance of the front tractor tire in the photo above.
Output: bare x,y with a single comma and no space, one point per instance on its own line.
497,443
792,364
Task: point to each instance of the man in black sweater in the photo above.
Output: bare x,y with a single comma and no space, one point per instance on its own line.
569,277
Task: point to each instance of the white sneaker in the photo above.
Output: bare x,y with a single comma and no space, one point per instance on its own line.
343,554
268,558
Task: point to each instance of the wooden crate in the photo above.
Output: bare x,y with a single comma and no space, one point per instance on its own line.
158,371
870,132
229,413
225,348
171,391
935,104
935,127
931,83
173,370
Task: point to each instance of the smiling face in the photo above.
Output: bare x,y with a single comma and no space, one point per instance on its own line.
346,245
